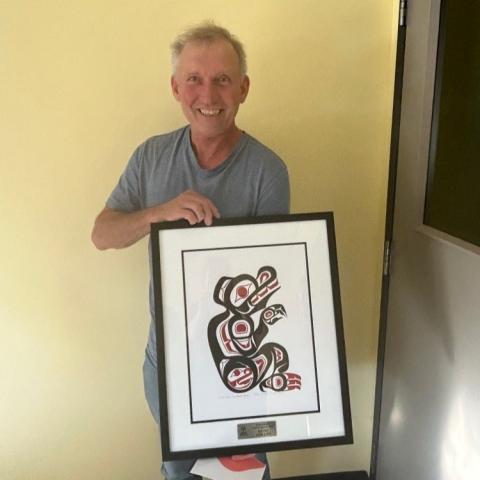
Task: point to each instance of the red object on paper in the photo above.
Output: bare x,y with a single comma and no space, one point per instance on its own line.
241,465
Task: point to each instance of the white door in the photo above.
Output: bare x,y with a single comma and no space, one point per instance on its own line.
430,408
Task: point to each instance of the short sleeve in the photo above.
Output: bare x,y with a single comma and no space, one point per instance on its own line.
126,196
275,195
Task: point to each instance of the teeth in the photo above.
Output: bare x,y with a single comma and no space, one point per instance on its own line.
209,112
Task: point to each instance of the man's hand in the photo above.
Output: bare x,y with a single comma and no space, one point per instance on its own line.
117,229
191,206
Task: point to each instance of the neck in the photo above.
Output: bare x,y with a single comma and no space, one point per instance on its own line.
213,151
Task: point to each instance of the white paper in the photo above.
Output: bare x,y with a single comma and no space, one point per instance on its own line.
210,399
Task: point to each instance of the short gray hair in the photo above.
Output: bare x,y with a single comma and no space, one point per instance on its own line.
207,31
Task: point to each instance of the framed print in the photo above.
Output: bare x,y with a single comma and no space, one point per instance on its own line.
250,345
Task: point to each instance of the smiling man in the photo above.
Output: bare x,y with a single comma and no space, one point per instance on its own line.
210,83
207,169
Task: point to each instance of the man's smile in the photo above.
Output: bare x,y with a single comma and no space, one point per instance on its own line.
209,112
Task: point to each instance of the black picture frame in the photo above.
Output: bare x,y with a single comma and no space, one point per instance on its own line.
223,388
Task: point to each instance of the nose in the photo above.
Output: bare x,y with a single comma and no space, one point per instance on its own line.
209,94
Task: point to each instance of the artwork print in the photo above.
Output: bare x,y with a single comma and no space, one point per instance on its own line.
249,332
243,358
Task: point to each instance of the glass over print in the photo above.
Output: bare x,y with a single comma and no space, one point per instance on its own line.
249,336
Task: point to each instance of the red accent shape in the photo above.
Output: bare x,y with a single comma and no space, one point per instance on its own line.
241,327
227,342
278,354
241,465
264,276
242,291
261,364
278,382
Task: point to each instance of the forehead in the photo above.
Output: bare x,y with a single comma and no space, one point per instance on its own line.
209,55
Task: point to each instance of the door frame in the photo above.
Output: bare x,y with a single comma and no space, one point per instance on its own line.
390,207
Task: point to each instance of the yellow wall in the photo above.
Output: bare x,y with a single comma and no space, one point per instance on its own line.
81,84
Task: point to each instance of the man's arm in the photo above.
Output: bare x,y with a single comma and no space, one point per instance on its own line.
117,229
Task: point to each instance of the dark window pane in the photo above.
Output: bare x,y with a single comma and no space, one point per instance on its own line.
453,192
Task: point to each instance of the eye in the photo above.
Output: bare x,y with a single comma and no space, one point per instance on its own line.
192,79
223,80
241,292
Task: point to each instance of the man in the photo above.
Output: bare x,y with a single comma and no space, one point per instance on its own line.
205,170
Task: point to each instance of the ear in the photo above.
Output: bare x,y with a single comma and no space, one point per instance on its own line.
174,85
244,87
219,292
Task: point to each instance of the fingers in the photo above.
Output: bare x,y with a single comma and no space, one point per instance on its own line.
192,207
201,206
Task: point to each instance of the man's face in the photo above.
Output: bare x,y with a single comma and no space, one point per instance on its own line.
210,87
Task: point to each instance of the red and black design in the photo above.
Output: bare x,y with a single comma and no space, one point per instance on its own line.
243,362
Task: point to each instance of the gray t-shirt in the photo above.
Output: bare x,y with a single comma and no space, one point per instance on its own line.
252,181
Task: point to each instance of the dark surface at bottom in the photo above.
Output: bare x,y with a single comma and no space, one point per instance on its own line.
332,476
